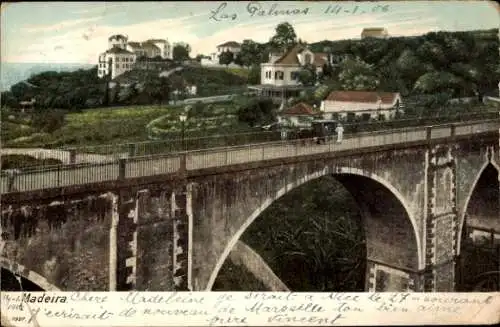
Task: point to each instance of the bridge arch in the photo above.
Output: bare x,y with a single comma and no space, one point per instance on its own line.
29,275
339,171
463,210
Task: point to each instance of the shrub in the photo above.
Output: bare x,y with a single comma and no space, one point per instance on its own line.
12,161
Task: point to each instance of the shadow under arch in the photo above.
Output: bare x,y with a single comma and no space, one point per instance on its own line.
487,165
339,171
29,275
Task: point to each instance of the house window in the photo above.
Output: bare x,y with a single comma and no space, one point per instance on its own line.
294,76
279,75
117,66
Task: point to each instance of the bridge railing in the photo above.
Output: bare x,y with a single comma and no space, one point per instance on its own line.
76,174
113,152
121,150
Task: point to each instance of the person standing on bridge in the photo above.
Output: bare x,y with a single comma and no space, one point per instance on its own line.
340,132
11,175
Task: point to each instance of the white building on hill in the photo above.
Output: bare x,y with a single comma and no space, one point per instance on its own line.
366,104
375,32
231,46
280,76
115,62
122,54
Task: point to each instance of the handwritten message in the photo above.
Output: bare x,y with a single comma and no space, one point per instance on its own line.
223,12
247,308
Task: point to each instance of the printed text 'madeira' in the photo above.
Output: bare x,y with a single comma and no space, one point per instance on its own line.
43,298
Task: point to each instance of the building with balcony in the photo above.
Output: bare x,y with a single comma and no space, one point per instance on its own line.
280,75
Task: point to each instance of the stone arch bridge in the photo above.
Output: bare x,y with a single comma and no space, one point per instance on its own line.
168,222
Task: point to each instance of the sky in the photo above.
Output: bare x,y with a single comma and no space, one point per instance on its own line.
76,32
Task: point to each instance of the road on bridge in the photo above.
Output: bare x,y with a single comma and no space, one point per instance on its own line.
208,158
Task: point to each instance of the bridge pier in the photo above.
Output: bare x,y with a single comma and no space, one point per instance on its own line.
126,245
152,248
182,240
381,277
441,223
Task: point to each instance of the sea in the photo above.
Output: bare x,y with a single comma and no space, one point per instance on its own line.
12,73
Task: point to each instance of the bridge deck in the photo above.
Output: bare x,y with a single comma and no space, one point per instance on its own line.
78,174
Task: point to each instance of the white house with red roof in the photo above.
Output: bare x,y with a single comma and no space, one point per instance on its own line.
280,75
367,104
300,114
283,69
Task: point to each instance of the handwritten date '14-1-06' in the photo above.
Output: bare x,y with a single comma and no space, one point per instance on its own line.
257,9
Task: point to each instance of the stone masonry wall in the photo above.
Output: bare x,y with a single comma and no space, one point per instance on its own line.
67,243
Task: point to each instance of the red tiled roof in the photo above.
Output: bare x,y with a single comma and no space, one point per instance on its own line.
300,109
319,58
233,44
362,96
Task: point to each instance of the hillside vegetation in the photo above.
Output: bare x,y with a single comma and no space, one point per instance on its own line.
453,63
457,63
82,89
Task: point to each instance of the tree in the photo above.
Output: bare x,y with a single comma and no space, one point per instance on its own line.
391,80
307,76
357,75
113,93
284,37
409,64
254,75
48,121
250,53
433,52
8,100
226,57
181,52
237,60
435,82
158,90
327,71
257,112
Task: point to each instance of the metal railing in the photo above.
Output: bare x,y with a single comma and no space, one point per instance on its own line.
151,165
111,152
